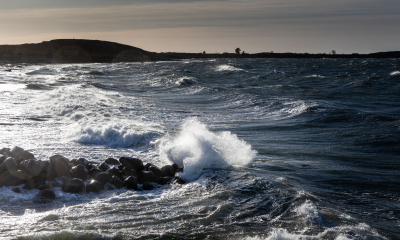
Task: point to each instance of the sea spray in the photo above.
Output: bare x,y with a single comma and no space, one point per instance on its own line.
197,149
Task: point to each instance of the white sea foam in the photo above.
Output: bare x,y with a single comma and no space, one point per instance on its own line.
228,68
310,212
198,149
115,135
395,73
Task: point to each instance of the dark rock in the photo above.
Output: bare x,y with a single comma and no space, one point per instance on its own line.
113,171
129,172
43,187
32,167
147,177
103,167
94,186
112,161
93,172
147,166
5,151
13,179
132,163
179,180
18,152
55,184
73,162
162,181
73,185
82,161
8,165
103,178
131,183
156,171
147,186
120,167
177,168
59,167
168,170
117,182
79,171
90,166
47,193
2,158
16,190
33,183
109,187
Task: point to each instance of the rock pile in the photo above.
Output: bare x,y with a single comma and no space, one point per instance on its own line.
18,167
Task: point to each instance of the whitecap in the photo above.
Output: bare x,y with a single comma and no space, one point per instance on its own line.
198,149
227,68
395,73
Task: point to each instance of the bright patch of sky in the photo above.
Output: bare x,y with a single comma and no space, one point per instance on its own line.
212,26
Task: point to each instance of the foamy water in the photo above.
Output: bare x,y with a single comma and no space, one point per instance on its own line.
271,148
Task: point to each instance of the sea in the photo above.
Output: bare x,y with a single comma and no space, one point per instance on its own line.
271,148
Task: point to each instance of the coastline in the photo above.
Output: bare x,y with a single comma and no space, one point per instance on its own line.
96,51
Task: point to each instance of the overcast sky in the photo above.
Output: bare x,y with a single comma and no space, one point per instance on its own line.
313,26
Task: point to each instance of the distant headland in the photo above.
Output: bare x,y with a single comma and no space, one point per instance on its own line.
96,51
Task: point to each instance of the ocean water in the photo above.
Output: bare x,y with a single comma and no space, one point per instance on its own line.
272,148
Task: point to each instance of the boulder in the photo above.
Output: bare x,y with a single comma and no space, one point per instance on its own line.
117,182
132,163
146,176
156,171
13,179
47,194
9,165
82,161
129,172
168,170
80,172
16,190
147,166
112,161
73,185
147,186
33,183
103,178
113,171
94,186
179,180
93,172
59,167
103,167
5,151
18,152
162,181
177,168
2,158
43,187
32,167
131,183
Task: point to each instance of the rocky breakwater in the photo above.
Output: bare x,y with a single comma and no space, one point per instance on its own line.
21,169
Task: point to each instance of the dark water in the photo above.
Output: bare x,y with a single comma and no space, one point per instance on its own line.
272,148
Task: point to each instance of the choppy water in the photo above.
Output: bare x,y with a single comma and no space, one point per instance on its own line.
272,148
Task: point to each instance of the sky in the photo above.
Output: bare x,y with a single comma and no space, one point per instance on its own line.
313,26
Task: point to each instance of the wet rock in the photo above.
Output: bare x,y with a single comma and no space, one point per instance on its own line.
147,177
13,179
18,152
80,172
47,194
117,182
2,158
156,171
131,183
73,185
43,187
147,166
93,172
59,167
168,170
82,161
8,165
129,172
90,166
33,183
103,178
73,162
162,181
16,190
103,167
94,186
147,186
5,151
113,171
179,180
112,161
132,163
177,168
109,187
33,168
